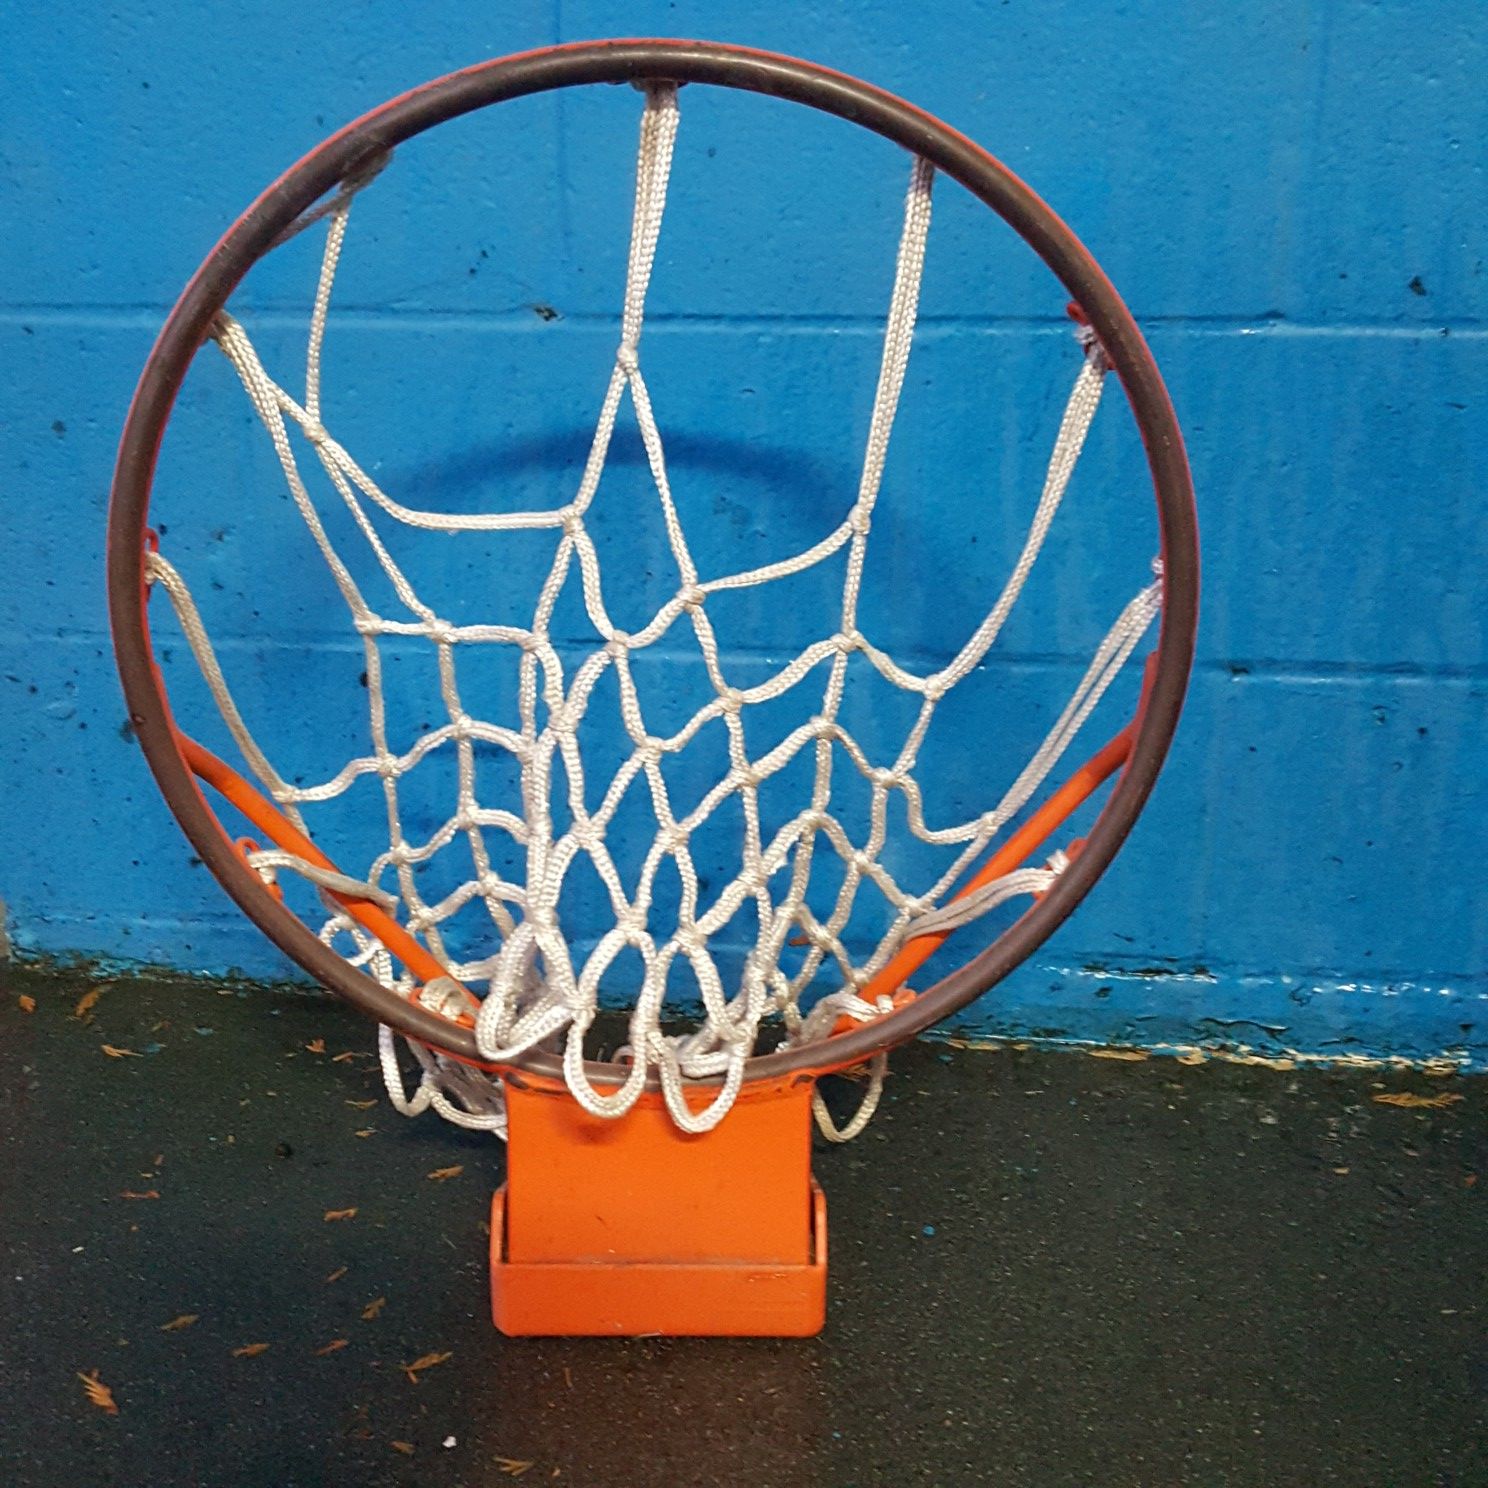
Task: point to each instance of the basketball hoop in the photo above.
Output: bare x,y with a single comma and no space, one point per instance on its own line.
666,1188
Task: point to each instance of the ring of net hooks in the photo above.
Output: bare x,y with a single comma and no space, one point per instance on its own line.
338,168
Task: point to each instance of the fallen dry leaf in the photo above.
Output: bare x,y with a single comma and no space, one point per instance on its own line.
130,1193
26,1002
98,1393
375,1306
250,1351
512,1467
361,1105
440,1174
1130,1054
338,1273
86,1002
1405,1098
366,1131
177,1323
345,1058
334,1214
406,1448
116,1053
331,1347
423,1362
316,1046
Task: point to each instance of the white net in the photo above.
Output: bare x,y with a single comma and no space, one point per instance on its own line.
538,989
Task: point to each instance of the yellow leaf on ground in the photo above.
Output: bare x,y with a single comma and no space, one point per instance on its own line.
177,1323
440,1174
86,1002
250,1351
375,1306
366,1131
333,1214
1132,1054
345,1058
316,1046
338,1273
331,1347
116,1053
1429,1102
130,1193
98,1393
406,1448
512,1467
27,1003
361,1105
423,1362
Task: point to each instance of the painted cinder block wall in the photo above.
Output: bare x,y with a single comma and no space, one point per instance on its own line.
1292,198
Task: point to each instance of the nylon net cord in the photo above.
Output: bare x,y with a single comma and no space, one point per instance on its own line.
535,991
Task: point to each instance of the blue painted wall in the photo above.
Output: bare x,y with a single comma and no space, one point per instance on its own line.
1293,199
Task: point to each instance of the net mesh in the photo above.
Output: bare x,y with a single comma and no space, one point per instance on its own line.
537,988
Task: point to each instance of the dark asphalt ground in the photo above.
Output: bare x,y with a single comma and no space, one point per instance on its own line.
1047,1269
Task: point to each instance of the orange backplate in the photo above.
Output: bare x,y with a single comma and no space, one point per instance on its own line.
633,1227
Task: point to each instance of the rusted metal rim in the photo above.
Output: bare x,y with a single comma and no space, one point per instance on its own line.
638,62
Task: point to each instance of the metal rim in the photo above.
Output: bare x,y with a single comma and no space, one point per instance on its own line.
619,62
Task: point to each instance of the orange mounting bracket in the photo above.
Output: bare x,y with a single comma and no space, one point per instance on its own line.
635,1227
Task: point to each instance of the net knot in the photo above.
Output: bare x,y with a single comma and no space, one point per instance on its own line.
627,359
618,644
441,632
732,699
860,519
1095,353
443,995
692,596
316,432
